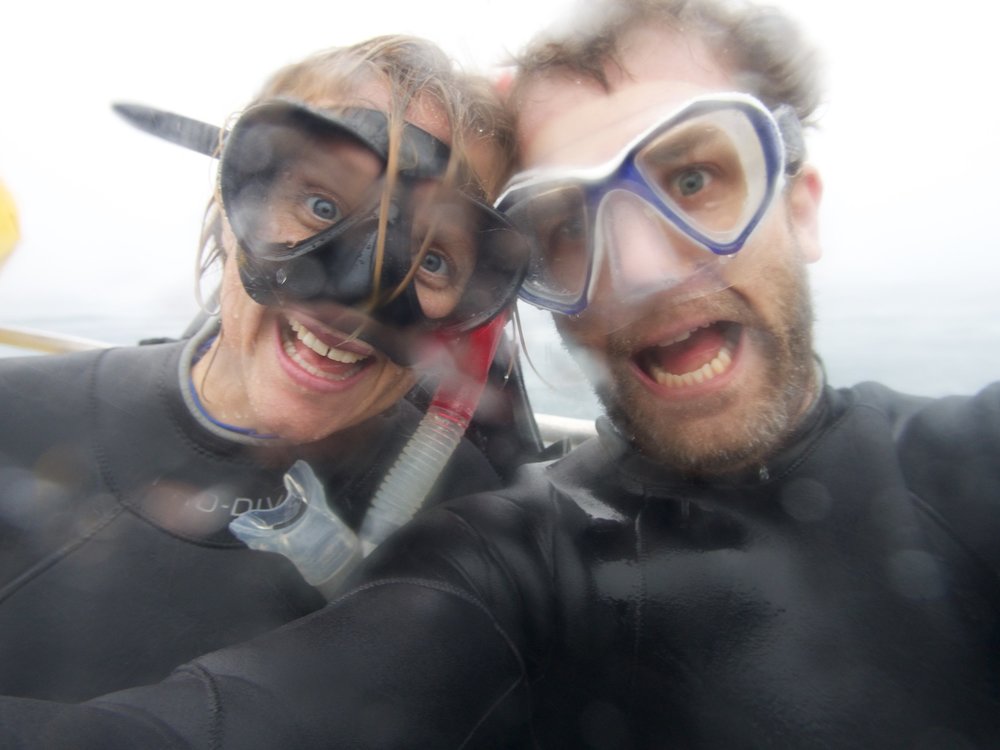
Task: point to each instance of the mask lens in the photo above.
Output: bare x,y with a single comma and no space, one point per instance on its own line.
555,221
303,191
284,184
644,254
710,171
467,261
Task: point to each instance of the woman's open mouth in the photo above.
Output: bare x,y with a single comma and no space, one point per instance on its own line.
321,353
695,356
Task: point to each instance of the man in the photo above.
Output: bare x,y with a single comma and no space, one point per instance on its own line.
743,558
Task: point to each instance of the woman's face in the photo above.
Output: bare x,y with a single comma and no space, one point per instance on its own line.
290,371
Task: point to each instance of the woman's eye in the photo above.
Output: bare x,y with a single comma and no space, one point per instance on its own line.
324,208
691,181
434,263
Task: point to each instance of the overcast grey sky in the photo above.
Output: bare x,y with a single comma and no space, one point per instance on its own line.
907,291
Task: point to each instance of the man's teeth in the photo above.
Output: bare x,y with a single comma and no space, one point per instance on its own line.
718,365
678,339
309,339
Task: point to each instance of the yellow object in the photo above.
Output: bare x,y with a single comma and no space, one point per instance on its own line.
9,232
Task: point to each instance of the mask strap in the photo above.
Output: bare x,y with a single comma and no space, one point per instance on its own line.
790,128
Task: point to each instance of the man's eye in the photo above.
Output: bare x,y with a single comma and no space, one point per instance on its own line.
691,181
566,235
572,229
324,208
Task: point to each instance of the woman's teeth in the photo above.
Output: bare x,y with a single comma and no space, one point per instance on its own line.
309,339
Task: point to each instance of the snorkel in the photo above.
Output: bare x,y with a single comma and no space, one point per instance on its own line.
338,266
411,478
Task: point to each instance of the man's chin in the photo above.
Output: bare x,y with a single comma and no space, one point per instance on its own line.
677,449
718,436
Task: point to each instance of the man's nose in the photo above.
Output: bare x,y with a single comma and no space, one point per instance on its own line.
642,247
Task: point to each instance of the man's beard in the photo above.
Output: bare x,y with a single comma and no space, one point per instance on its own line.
756,424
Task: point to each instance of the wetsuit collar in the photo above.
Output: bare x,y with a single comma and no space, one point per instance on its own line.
641,474
193,350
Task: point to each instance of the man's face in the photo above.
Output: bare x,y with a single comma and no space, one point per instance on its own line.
707,383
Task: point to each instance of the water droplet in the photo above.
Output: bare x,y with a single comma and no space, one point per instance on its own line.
281,276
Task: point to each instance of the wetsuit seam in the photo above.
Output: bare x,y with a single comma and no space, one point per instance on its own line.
821,434
47,564
554,576
640,596
545,548
934,515
486,714
50,561
214,731
148,719
215,711
102,460
468,598
446,588
879,410
106,469
489,549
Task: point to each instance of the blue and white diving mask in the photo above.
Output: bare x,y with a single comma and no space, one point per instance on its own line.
668,212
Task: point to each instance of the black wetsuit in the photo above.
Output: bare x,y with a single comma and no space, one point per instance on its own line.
116,563
844,596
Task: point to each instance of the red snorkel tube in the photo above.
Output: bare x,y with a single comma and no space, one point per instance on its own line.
412,476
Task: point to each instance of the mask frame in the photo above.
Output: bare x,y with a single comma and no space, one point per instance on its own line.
341,264
781,149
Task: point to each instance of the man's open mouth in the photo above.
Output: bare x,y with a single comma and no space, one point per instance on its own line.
319,352
692,357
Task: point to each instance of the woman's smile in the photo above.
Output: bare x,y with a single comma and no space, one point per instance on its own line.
310,350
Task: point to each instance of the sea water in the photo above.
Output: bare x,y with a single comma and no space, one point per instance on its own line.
922,337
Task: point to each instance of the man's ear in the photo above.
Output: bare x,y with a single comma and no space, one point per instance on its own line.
804,195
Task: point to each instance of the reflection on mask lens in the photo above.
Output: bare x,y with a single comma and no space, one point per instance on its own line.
644,253
444,254
466,259
556,222
310,183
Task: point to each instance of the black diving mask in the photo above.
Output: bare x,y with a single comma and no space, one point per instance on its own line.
305,192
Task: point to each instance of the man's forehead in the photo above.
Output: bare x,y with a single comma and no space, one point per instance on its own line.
568,121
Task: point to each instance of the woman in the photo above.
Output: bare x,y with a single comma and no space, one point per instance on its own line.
354,239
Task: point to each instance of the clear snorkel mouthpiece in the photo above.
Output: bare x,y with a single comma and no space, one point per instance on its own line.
303,529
